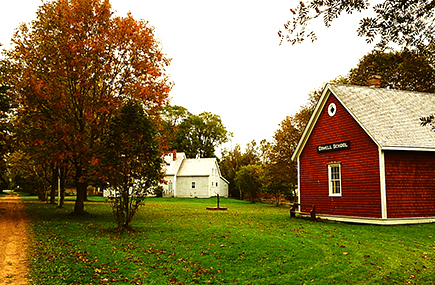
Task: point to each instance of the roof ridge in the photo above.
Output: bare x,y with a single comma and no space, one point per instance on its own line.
380,89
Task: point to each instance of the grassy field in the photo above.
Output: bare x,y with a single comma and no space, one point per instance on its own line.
177,241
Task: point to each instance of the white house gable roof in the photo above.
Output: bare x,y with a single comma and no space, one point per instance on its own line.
171,166
197,167
390,117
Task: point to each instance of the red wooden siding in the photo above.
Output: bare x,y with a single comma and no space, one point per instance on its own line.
410,180
359,167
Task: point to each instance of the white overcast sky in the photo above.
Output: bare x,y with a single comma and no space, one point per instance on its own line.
226,57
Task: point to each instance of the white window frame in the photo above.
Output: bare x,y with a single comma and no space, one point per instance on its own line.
193,184
334,181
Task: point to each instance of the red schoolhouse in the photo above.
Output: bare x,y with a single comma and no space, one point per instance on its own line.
365,157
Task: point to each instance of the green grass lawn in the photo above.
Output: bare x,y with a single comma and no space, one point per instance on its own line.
177,241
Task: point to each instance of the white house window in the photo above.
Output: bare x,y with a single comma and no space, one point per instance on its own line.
193,184
334,177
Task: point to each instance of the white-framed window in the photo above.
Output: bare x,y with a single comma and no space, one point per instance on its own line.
334,179
193,184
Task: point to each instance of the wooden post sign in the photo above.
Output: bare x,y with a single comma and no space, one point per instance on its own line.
333,146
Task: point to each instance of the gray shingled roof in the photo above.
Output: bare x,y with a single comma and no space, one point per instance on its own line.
390,117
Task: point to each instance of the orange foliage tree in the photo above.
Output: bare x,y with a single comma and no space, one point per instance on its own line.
281,170
72,69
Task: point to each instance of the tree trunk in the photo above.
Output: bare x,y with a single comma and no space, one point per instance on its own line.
54,177
241,193
277,195
81,187
62,185
42,195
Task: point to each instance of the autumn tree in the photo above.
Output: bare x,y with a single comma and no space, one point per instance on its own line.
72,68
404,70
282,171
130,161
404,23
199,135
251,156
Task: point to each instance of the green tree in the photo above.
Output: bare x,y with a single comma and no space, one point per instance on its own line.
404,70
72,69
229,164
404,23
7,106
130,161
199,135
172,117
249,179
29,174
232,160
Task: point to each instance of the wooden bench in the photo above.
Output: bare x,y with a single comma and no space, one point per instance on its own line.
306,209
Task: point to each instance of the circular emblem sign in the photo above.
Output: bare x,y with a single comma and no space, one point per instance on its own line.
332,109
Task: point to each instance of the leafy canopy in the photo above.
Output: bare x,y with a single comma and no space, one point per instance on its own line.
404,70
199,135
249,180
405,23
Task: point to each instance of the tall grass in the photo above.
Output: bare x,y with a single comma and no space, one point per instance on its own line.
177,241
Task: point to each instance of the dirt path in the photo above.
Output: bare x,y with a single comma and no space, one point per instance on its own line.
13,241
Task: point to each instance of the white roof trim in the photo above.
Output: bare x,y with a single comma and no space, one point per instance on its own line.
223,178
193,175
403,148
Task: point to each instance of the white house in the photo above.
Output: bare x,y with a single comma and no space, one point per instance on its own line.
195,178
